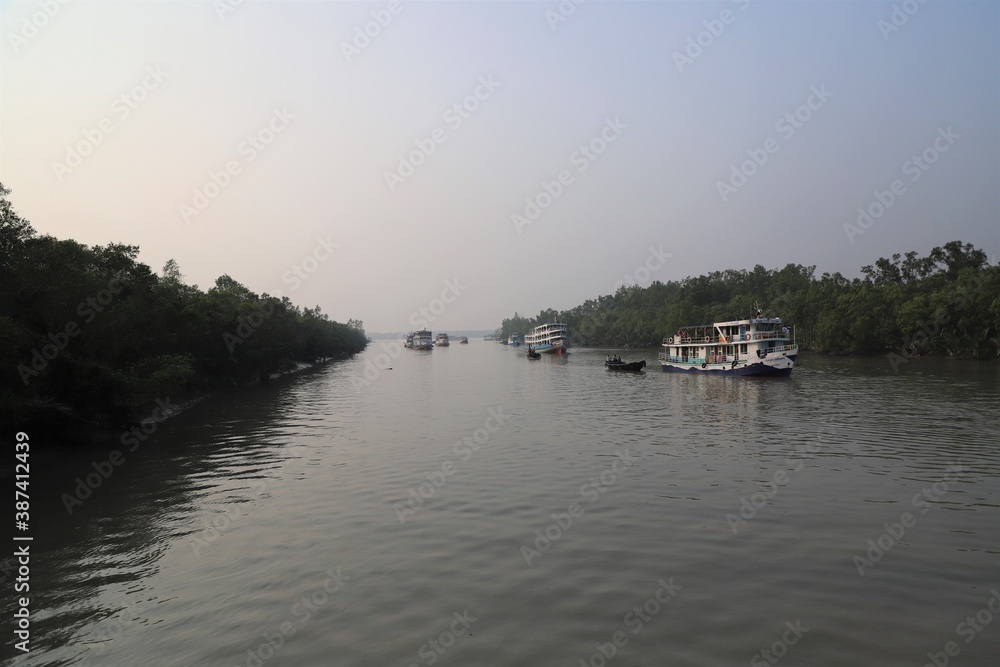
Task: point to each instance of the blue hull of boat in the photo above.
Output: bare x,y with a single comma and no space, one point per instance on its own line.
549,349
756,369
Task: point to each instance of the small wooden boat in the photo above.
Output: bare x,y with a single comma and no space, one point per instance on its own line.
622,366
533,355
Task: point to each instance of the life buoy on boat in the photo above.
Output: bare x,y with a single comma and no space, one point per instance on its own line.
749,336
704,364
670,340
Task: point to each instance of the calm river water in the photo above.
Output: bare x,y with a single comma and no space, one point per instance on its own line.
469,507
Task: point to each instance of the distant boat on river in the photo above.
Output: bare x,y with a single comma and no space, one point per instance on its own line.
422,340
549,338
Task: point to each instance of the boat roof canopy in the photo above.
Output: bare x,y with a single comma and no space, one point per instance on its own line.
755,320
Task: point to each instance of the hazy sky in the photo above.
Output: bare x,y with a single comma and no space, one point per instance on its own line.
721,134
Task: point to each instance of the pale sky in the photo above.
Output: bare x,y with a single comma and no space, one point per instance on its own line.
113,115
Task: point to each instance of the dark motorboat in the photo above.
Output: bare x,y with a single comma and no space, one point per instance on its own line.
619,365
533,355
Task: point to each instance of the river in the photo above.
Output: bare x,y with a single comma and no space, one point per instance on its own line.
471,507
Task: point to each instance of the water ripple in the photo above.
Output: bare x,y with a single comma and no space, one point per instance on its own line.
756,497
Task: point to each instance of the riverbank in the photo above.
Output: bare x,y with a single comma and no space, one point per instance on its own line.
944,303
93,338
60,425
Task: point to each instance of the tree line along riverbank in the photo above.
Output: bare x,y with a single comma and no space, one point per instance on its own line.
91,338
944,303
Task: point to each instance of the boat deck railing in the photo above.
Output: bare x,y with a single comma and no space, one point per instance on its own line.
710,359
717,340
721,358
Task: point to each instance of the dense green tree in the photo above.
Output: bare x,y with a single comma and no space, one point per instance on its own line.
92,335
945,303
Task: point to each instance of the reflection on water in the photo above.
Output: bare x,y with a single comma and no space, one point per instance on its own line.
260,526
